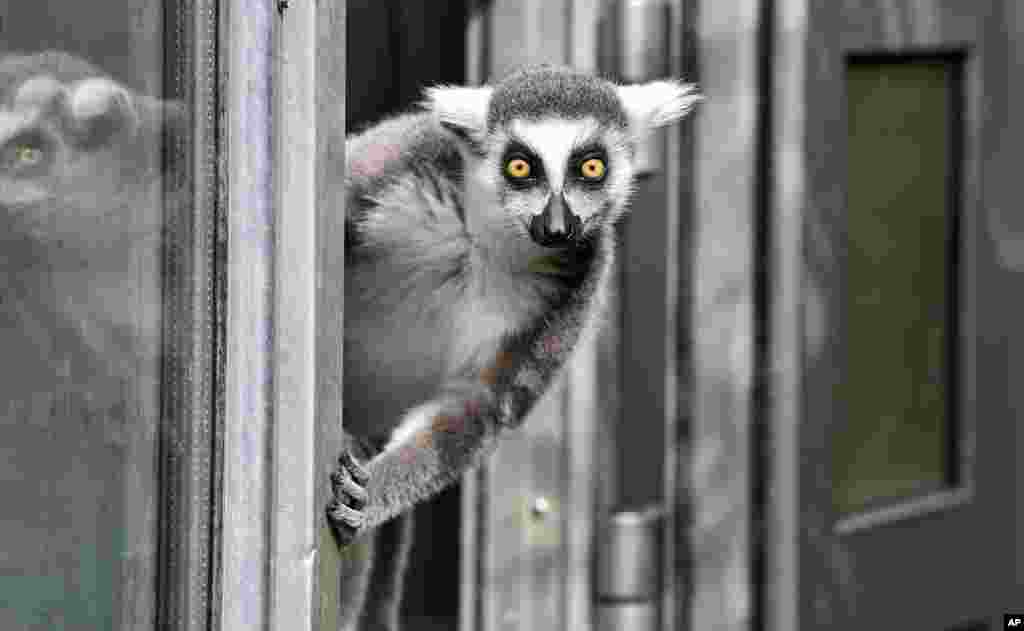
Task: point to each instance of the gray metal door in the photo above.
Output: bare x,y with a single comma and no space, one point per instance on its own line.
896,314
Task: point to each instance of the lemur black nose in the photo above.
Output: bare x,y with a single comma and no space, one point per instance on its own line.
557,225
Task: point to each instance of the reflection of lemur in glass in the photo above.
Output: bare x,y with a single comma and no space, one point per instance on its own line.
75,145
82,193
479,237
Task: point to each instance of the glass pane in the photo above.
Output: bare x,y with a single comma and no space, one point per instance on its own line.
899,273
83,123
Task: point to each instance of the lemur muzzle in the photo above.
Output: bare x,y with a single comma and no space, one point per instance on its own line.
557,225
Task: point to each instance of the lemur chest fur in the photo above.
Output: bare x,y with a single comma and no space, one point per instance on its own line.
405,339
426,298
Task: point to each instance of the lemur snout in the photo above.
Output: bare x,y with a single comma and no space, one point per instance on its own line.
557,225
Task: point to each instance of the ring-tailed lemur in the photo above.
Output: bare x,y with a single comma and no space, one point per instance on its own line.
83,190
479,237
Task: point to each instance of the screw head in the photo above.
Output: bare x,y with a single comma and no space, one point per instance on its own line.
540,507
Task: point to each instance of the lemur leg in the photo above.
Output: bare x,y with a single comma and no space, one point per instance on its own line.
357,565
392,545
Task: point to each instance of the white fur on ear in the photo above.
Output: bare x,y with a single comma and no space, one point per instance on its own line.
657,103
462,107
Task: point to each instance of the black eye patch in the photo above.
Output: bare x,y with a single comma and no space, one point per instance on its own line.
582,156
512,161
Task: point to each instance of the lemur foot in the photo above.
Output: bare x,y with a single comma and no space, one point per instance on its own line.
345,510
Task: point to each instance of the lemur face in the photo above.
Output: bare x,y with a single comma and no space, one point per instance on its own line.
77,166
560,177
59,140
559,144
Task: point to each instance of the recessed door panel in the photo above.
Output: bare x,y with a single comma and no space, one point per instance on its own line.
898,313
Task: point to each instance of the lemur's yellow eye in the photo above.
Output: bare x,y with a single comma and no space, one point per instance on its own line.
23,156
517,168
592,169
27,155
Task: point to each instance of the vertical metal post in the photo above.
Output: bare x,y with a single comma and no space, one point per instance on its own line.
643,39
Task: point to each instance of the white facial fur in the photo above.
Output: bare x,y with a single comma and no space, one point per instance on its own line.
554,141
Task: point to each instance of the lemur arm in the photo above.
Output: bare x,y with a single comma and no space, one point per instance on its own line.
439,440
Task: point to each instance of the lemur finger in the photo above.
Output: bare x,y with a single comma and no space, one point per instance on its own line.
100,108
339,513
344,486
42,91
358,471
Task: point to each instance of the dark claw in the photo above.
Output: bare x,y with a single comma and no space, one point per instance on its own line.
345,510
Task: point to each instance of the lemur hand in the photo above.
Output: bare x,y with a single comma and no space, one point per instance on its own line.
345,510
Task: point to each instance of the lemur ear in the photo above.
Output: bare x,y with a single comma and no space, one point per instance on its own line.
464,108
657,103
